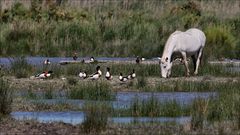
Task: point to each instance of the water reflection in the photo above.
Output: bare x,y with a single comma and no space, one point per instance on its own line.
78,117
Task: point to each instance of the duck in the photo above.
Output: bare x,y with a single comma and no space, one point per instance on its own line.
82,75
75,56
122,79
108,75
47,62
92,59
96,75
43,75
139,59
132,75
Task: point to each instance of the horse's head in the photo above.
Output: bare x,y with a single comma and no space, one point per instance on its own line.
166,66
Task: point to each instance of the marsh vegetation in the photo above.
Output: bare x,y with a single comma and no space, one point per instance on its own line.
115,29
120,29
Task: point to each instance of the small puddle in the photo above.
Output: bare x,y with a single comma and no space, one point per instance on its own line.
78,118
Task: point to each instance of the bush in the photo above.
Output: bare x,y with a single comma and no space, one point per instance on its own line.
220,41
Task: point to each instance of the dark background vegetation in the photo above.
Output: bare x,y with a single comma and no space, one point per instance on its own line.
120,28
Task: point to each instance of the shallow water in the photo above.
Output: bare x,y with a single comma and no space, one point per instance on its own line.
55,60
124,99
78,117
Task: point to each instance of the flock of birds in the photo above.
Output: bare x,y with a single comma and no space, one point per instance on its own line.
108,75
94,76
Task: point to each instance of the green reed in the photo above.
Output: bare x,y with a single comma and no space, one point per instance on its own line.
92,91
96,117
6,97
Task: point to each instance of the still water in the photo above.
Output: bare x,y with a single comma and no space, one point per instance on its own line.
78,117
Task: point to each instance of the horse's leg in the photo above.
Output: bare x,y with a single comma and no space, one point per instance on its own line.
198,61
185,63
194,61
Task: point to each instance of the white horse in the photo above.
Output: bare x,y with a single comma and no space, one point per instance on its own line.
188,43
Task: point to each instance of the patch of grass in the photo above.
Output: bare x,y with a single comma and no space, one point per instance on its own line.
20,67
141,82
154,108
49,93
190,86
96,117
199,113
72,81
31,94
92,91
6,97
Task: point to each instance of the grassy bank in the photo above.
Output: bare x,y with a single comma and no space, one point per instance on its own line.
116,29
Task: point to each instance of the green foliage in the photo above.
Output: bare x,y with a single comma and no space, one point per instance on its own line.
141,82
31,94
49,93
96,117
140,28
154,108
199,113
20,67
92,91
72,80
220,41
6,97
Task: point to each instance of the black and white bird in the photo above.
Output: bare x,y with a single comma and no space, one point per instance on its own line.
82,75
139,59
96,75
132,75
108,75
92,59
46,62
123,79
75,56
43,75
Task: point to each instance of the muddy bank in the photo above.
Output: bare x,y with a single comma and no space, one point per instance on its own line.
61,84
11,126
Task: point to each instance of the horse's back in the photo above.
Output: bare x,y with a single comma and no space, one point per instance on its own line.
189,41
197,34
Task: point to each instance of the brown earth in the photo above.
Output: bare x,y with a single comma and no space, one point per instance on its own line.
61,83
10,126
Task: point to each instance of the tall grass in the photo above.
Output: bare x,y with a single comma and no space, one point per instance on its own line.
6,97
96,117
199,113
154,108
130,29
92,91
20,67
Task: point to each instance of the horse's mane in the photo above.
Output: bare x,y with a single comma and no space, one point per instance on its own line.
169,39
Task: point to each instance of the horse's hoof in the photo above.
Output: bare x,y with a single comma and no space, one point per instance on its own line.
195,73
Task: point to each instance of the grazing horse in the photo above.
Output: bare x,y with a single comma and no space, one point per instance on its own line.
188,43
